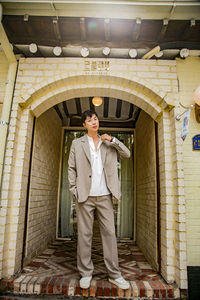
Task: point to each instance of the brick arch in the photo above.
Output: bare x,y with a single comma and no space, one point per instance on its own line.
132,89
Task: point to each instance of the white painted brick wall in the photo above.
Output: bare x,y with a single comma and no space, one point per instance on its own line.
146,219
44,183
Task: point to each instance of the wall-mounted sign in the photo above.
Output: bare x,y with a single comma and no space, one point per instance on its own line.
196,142
185,125
100,66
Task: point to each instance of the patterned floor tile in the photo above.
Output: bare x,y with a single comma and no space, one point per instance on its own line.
54,272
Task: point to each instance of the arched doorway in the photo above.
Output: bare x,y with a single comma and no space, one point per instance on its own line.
45,95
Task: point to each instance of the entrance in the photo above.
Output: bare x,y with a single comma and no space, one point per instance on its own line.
123,208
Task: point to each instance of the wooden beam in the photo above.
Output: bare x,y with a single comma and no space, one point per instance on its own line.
83,30
78,106
163,29
131,111
65,109
92,107
105,107
119,108
136,29
107,29
58,111
188,29
56,29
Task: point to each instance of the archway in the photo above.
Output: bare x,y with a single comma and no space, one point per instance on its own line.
139,92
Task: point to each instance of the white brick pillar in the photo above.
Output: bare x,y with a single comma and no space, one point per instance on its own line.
14,189
166,199
179,199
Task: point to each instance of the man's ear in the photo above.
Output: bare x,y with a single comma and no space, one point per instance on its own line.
84,124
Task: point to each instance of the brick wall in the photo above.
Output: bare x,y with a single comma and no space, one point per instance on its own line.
44,183
43,82
3,77
146,206
189,78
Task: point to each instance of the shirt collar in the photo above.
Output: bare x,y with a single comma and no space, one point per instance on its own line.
91,142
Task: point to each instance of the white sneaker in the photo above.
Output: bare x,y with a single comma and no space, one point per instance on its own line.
120,282
85,282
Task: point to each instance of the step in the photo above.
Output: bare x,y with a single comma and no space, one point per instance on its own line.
63,285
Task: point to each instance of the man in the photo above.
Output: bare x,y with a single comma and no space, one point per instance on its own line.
93,179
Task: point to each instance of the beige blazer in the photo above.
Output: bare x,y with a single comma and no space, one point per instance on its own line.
80,171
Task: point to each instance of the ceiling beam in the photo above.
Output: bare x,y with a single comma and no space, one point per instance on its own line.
189,28
107,29
136,29
163,30
83,30
56,29
65,109
92,107
118,108
78,106
58,111
105,107
131,111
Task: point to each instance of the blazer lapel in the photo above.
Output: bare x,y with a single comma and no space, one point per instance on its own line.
103,153
85,145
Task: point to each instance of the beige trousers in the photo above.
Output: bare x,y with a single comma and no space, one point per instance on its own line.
85,218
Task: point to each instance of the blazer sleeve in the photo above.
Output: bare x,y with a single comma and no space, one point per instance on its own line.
122,150
72,171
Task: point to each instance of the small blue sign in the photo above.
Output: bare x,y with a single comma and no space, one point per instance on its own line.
196,142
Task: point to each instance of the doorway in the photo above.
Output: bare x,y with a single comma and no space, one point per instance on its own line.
123,208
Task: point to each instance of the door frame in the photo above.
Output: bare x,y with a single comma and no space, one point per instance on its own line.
73,128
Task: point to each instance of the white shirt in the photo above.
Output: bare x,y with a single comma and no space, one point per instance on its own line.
98,181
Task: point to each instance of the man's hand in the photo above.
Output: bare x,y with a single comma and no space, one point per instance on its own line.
105,137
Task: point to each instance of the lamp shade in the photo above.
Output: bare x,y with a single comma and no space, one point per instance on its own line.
197,95
97,101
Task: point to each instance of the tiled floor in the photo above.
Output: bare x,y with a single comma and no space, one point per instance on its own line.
55,272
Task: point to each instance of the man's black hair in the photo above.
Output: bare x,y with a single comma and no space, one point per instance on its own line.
87,113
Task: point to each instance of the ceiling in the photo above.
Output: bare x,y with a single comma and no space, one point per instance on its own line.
121,26
112,113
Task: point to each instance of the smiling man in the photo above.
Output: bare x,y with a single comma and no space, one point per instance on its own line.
93,180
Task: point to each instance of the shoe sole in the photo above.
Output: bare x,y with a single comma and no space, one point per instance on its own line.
118,284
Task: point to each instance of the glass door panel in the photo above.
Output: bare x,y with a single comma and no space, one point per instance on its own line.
123,208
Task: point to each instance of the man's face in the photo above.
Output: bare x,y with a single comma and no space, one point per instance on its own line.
91,123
